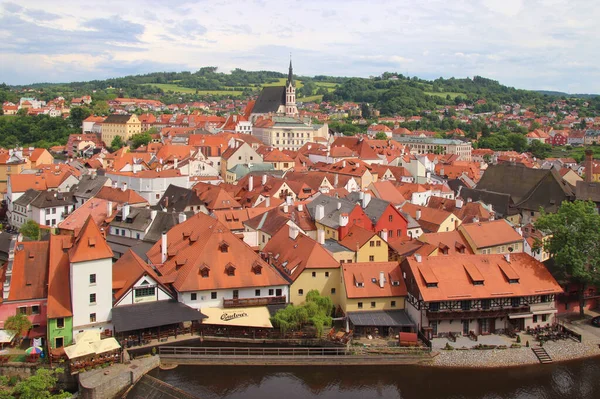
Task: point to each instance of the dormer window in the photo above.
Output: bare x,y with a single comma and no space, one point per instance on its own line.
395,283
204,271
230,269
360,284
92,242
257,269
224,247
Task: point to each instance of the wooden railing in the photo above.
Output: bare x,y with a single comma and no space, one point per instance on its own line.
182,351
262,301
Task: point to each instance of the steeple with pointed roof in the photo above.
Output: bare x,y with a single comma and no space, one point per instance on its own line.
290,79
290,94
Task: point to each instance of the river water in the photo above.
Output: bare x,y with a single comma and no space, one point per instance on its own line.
573,380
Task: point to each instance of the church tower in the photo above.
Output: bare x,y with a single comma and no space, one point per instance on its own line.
290,95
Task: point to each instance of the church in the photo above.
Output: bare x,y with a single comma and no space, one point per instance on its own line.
277,100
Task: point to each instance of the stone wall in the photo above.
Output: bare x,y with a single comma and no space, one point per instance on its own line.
109,382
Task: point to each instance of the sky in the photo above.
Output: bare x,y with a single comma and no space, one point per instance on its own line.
528,44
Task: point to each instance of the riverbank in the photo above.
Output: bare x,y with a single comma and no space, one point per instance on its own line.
559,351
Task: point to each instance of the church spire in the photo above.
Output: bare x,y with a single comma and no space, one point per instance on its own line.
290,79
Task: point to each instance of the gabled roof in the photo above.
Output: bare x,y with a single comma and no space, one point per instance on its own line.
451,242
178,198
59,282
90,244
30,271
356,238
454,283
119,196
374,209
89,185
430,220
198,242
386,191
269,222
94,207
292,256
127,271
331,217
117,118
491,234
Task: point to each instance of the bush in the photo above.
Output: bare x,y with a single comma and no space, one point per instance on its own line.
448,347
527,344
518,339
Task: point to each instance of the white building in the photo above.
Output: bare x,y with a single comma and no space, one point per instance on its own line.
150,184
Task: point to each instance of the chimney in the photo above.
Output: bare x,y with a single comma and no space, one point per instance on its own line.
286,208
469,199
361,195
335,180
319,212
114,184
163,247
459,203
418,258
339,205
153,213
109,208
125,211
251,183
300,208
343,219
381,279
124,186
182,218
321,236
442,172
175,163
507,257
418,214
293,232
366,200
264,179
288,200
475,219
589,165
384,235
267,200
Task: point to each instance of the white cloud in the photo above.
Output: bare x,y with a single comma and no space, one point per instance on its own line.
512,41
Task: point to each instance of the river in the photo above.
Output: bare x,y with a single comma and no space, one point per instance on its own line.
573,380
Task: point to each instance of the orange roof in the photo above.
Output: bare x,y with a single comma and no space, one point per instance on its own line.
292,256
119,196
450,241
386,191
96,208
36,153
234,218
490,234
29,276
59,291
127,271
203,243
364,273
356,238
430,220
454,281
90,244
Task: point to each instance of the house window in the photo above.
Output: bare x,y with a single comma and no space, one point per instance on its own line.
486,304
372,304
515,302
544,318
256,292
92,317
92,298
157,196
35,309
391,218
60,322
333,291
123,232
300,292
371,258
398,233
271,291
393,304
535,318
137,235
116,231
434,306
93,278
360,305
59,342
145,292
372,243
326,274
213,295
314,274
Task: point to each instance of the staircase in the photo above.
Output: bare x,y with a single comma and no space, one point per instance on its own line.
542,355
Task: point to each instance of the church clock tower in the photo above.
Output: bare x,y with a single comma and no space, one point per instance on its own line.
290,95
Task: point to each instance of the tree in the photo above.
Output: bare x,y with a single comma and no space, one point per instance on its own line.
540,150
117,143
31,230
574,243
365,110
381,136
17,324
77,115
41,385
316,311
140,139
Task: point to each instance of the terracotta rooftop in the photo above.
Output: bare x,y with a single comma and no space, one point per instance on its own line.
362,280
490,234
59,282
90,244
30,271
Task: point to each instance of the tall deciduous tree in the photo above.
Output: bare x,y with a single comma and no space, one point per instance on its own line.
77,115
41,385
117,143
574,243
17,324
31,230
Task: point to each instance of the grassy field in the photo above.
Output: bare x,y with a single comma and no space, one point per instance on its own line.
188,90
316,98
281,82
573,152
444,94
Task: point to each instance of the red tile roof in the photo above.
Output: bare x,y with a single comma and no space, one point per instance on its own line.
127,271
59,282
90,244
365,273
490,234
30,271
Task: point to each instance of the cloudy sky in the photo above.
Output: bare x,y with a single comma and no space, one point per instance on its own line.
532,44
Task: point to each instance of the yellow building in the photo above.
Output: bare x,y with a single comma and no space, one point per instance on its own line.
7,168
305,264
124,126
495,237
367,245
373,298
16,161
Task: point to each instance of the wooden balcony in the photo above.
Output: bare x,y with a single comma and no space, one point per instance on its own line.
261,301
475,313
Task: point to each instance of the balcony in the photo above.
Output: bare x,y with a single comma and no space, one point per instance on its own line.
476,313
262,301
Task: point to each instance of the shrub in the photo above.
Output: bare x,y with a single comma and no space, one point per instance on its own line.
518,339
448,347
527,344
